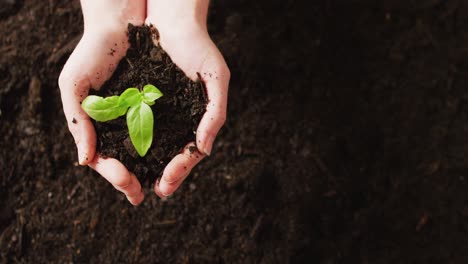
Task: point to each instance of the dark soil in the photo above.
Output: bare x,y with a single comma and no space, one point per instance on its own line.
346,142
176,114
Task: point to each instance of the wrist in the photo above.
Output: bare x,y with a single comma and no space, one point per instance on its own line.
188,15
112,16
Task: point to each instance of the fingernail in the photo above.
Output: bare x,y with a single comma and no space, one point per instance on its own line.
82,157
164,190
142,195
157,188
134,204
208,145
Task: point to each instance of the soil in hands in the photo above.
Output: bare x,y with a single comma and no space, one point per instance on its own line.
176,114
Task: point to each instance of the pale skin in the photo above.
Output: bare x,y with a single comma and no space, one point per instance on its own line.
183,34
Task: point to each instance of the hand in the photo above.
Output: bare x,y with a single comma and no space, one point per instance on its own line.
184,36
89,66
92,63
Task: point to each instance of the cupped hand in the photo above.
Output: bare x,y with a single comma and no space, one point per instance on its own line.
93,61
184,36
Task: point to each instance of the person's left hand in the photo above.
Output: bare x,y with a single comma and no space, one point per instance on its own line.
184,36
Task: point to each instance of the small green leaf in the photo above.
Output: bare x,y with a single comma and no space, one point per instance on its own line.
151,93
130,97
103,109
140,124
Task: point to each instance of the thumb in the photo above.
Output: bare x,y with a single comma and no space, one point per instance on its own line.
73,89
89,66
216,75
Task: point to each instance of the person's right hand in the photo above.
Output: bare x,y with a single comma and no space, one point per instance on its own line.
103,45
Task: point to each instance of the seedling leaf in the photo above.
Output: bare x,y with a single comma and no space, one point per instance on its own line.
140,124
140,121
130,97
151,93
103,109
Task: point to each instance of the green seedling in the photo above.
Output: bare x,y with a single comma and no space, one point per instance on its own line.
133,102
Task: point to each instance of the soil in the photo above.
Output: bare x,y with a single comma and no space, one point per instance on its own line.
176,114
346,142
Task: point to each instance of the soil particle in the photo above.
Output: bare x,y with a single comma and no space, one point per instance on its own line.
192,149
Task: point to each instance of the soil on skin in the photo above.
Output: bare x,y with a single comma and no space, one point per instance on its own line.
176,114
346,142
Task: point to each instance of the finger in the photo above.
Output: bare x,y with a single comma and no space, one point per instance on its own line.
215,75
177,170
122,180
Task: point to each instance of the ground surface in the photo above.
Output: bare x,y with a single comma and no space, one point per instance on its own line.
346,142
